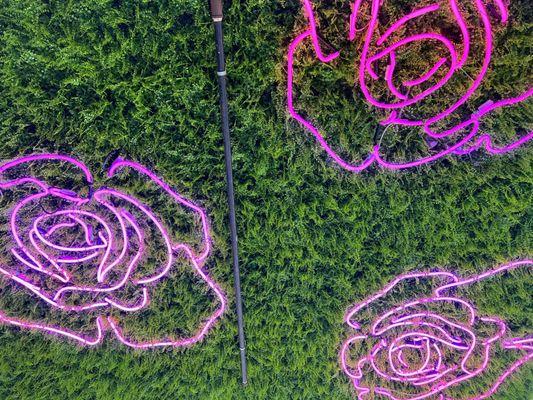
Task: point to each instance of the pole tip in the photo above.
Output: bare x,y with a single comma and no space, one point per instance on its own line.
216,10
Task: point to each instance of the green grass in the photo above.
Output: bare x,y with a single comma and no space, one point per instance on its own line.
137,78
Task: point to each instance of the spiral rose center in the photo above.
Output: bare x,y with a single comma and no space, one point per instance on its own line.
427,82
71,231
413,357
409,358
71,236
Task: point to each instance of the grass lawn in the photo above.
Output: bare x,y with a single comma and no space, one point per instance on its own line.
136,78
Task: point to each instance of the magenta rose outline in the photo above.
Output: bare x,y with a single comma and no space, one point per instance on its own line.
465,144
433,336
45,260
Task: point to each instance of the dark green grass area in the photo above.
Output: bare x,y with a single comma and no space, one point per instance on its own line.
98,79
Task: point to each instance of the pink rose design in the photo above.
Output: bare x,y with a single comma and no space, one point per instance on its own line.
93,254
423,348
381,76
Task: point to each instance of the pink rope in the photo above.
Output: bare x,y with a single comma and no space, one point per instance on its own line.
109,242
373,50
449,351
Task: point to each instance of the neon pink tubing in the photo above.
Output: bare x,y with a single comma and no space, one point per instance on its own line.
110,245
466,136
450,350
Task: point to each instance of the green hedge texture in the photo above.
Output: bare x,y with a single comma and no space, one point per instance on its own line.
99,78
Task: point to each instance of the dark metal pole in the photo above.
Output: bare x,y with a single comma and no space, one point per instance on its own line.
216,14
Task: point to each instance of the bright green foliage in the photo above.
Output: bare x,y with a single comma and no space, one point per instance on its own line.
97,78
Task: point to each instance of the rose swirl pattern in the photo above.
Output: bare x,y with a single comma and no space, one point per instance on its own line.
86,254
424,347
461,137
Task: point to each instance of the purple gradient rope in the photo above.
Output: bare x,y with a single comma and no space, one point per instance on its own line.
384,47
110,244
445,350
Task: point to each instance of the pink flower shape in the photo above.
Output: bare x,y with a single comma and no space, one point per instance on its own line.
422,348
383,45
95,254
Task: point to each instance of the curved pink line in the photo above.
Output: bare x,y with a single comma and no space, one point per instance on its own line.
464,32
504,12
59,226
389,77
426,374
41,294
119,164
308,125
63,277
343,355
353,20
402,21
47,157
116,286
457,62
198,336
427,76
366,66
55,330
156,222
485,275
308,7
352,311
38,238
136,307
104,269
